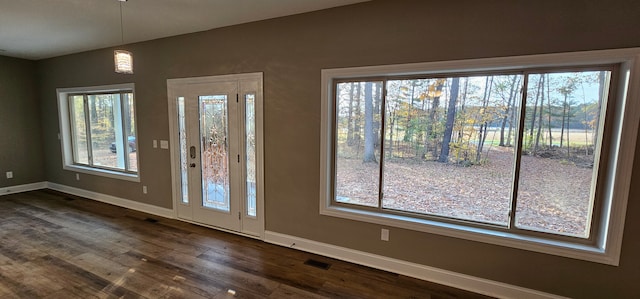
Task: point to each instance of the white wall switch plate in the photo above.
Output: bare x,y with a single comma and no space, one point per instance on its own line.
9,174
164,144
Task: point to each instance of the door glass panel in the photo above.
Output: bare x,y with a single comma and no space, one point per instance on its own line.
250,142
556,184
182,135
214,152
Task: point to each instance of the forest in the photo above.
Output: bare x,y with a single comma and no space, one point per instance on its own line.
473,128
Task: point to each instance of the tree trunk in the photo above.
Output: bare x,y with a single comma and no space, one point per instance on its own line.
482,134
435,103
392,120
350,117
94,111
568,129
408,135
358,118
549,112
541,90
377,103
369,134
601,80
533,118
564,113
451,115
512,101
507,115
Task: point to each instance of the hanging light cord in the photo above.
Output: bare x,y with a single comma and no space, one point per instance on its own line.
121,26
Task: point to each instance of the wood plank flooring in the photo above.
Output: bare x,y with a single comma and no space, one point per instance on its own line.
54,245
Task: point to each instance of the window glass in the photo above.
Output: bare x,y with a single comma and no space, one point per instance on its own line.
449,146
128,113
455,147
184,163
250,150
103,127
557,173
102,130
79,130
358,135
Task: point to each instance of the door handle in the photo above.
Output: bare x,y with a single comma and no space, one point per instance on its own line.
192,165
192,152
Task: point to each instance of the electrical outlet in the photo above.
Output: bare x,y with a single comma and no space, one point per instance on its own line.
9,174
155,143
384,234
144,189
77,176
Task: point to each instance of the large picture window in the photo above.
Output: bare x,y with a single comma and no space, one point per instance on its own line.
505,153
98,126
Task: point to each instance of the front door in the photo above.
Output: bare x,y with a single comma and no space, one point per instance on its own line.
217,151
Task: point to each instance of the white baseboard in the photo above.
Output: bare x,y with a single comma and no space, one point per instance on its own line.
436,275
117,201
22,188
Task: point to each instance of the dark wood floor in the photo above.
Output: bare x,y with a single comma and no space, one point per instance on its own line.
54,245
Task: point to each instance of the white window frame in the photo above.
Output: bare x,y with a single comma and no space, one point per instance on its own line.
622,149
66,138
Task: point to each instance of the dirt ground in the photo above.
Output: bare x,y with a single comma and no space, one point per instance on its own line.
553,194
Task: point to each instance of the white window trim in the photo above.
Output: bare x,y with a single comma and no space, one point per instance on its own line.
626,119
65,133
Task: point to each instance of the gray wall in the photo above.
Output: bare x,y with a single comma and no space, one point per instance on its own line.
291,51
20,126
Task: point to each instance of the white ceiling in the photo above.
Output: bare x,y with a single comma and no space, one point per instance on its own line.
37,29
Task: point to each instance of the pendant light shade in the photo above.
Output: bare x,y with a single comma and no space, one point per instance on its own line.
123,61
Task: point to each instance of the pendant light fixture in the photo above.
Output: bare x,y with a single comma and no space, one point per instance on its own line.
123,59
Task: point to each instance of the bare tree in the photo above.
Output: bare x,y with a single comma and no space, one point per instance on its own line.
434,92
541,92
451,115
482,133
369,133
350,115
507,115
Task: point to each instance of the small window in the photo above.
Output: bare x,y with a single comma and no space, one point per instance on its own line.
524,153
98,130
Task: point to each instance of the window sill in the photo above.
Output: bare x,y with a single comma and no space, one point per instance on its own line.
103,172
508,239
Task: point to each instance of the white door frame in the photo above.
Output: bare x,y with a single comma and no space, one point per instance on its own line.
174,86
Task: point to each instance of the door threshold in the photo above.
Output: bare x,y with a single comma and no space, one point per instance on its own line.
222,229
